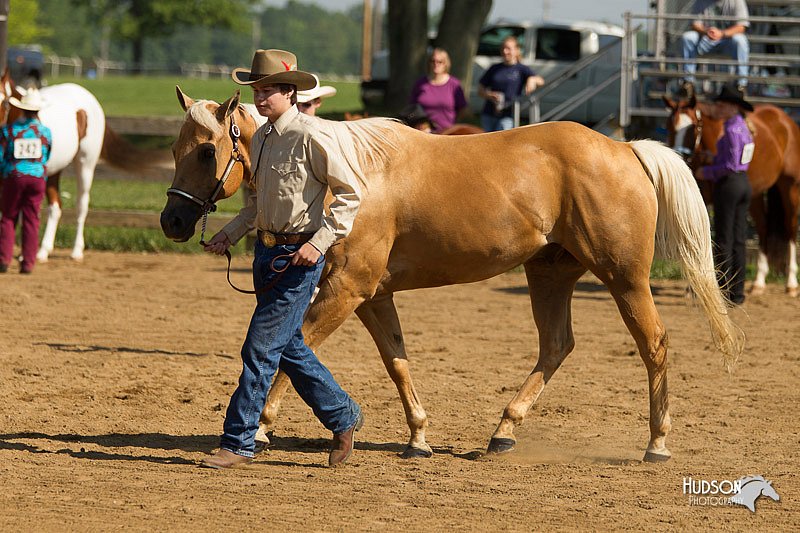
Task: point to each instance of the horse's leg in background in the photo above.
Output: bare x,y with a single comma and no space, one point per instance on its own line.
552,275
53,216
379,316
790,196
84,167
759,216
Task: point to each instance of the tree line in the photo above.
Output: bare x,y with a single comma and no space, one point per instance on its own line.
159,35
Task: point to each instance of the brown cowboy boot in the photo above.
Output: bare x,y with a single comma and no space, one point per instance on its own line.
343,443
225,459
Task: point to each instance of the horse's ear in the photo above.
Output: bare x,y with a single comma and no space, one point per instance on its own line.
692,102
184,100
669,102
228,106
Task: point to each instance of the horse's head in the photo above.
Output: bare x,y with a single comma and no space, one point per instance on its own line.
212,157
683,125
8,89
769,491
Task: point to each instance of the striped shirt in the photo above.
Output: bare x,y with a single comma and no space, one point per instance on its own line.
25,149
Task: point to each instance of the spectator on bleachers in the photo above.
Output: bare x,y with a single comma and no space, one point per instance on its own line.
727,37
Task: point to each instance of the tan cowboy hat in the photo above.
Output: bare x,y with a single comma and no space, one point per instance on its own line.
31,101
273,67
318,91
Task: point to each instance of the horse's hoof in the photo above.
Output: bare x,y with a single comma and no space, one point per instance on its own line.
652,457
757,290
260,446
42,258
78,258
791,292
500,445
416,453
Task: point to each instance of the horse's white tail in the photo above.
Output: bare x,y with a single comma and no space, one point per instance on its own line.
683,233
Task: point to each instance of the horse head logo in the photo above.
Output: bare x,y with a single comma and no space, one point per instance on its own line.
753,487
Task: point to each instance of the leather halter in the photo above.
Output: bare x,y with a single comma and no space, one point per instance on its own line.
698,136
209,205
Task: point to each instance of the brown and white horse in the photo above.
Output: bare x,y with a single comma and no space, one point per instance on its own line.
774,175
557,198
80,137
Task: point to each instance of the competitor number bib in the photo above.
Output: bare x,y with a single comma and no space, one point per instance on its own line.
747,153
27,149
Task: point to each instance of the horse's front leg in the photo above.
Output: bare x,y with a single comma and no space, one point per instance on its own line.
339,295
53,216
762,264
379,316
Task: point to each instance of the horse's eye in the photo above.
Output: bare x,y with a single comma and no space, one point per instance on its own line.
208,153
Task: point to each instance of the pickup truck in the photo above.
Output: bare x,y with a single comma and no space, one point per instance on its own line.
548,48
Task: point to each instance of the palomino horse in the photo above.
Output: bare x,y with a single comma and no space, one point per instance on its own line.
80,137
557,198
774,175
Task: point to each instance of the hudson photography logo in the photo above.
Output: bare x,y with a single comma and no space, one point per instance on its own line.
714,492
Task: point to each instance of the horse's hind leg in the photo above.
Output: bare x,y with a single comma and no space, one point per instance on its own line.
379,316
84,167
53,216
631,291
552,275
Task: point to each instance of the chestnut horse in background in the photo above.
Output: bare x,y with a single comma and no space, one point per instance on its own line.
774,175
557,198
80,137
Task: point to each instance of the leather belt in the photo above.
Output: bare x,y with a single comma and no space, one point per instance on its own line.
270,239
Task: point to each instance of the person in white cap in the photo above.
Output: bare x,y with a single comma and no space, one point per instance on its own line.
309,101
295,166
24,150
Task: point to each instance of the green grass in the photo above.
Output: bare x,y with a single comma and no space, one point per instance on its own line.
131,195
132,240
155,95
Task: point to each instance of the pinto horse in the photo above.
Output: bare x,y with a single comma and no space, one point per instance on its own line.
557,198
81,137
774,175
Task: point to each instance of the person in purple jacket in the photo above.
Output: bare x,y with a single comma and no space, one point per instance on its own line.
439,94
502,83
732,191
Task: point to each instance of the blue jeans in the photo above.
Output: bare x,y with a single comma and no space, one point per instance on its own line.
737,47
274,339
495,123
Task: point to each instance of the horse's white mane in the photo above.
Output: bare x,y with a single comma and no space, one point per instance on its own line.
365,144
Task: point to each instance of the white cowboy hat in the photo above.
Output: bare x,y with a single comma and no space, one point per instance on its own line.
318,91
30,101
273,67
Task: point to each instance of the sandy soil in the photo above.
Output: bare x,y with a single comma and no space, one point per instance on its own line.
114,376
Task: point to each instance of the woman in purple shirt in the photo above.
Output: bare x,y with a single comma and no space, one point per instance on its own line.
439,93
732,191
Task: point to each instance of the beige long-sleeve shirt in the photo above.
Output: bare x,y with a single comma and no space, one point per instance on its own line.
295,163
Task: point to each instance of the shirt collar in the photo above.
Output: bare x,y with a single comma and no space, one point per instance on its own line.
284,120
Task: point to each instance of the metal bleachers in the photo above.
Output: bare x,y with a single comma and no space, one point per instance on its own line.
774,62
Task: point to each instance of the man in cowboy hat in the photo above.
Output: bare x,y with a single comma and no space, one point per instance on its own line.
732,191
294,167
309,101
24,151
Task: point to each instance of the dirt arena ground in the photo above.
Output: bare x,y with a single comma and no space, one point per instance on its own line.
115,373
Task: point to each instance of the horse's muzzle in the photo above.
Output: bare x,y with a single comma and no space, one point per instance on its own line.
178,221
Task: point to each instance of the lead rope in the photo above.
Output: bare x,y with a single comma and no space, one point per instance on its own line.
212,207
